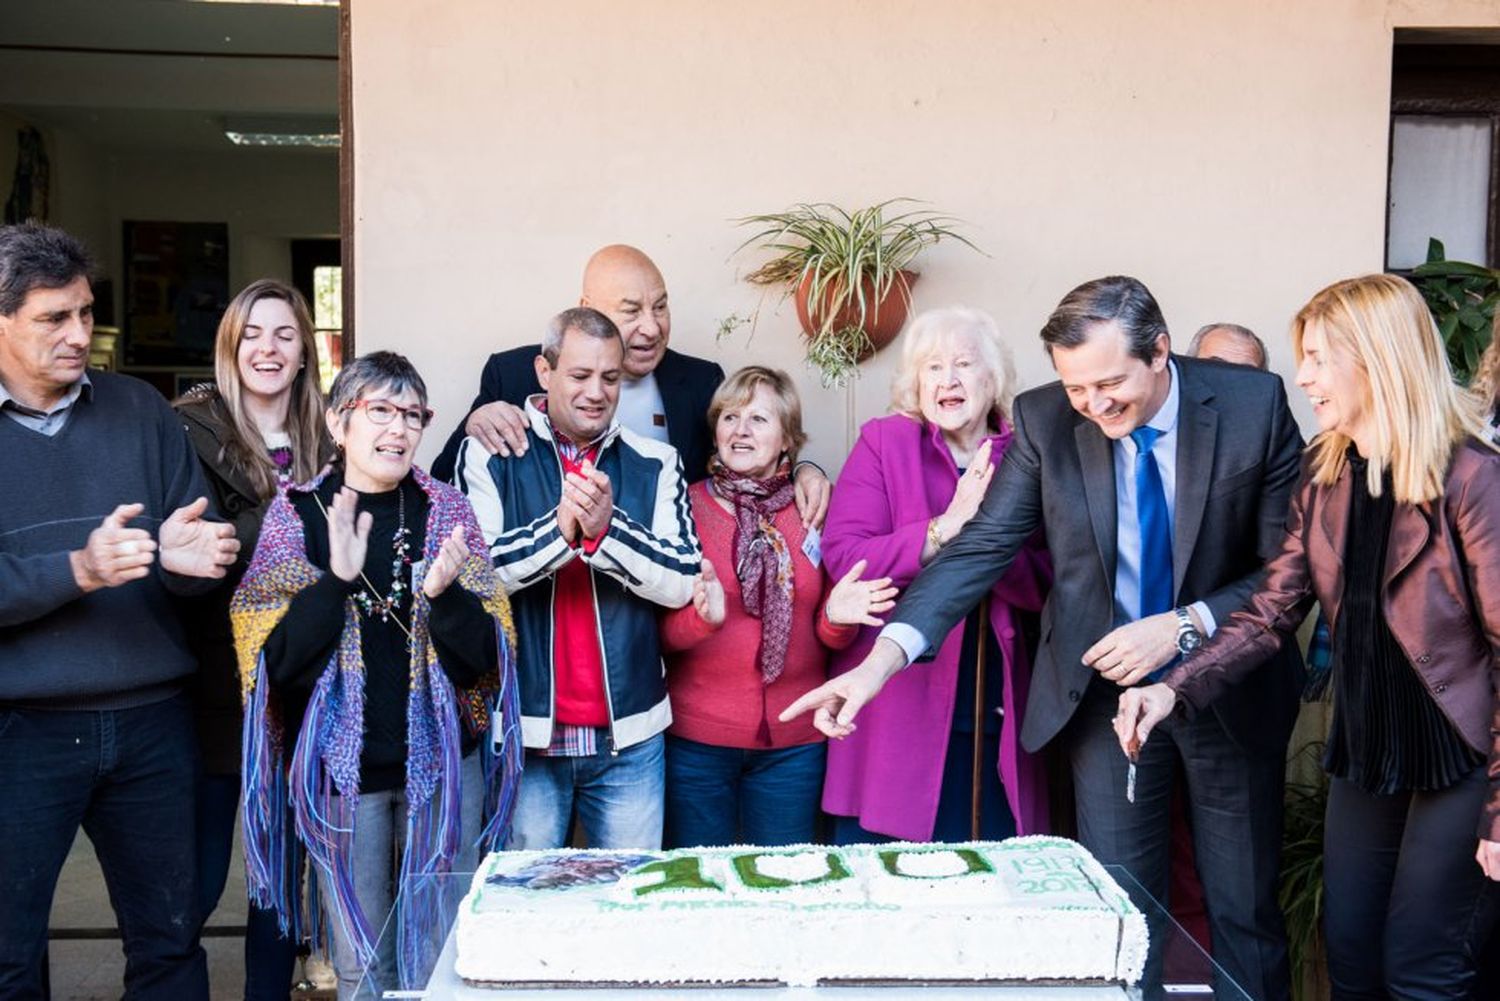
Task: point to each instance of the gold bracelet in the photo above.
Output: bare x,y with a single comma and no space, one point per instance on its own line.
933,536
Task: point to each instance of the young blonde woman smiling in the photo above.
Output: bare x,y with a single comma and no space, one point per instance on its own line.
259,421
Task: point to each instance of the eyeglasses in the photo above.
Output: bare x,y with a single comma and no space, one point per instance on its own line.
384,411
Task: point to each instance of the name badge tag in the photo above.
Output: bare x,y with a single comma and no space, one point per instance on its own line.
812,547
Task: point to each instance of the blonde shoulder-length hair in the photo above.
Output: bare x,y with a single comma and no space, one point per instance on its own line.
246,450
929,329
1417,413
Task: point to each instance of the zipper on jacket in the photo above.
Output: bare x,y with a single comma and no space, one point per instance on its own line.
552,616
609,702
609,699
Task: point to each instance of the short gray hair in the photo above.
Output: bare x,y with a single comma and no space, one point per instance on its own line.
33,256
384,371
1243,333
583,320
931,326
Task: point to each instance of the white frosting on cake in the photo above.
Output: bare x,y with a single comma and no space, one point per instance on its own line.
1024,909
945,862
795,867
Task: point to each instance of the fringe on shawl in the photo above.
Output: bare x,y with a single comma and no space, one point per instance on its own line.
323,799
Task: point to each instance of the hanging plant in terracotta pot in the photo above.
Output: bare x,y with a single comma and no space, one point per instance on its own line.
848,272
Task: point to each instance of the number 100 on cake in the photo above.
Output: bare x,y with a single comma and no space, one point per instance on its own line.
1023,910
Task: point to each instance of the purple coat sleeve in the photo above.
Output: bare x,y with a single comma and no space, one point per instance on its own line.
860,523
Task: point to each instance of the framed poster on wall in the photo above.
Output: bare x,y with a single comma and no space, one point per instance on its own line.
176,289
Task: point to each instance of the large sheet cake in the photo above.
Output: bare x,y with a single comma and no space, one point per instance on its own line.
1027,909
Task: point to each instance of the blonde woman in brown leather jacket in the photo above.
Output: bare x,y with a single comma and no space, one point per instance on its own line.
1395,529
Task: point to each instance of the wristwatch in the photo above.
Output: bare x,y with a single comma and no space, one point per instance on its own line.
1188,636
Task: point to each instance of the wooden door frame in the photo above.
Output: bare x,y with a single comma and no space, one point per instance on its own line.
346,176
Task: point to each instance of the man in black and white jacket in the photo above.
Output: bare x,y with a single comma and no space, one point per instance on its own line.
590,531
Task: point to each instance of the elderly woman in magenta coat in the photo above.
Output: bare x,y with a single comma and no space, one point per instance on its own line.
914,479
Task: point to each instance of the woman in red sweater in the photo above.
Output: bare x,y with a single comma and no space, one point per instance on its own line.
755,636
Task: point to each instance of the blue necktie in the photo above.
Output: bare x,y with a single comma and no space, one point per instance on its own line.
1156,528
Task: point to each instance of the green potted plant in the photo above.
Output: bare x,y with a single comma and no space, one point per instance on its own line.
1462,298
848,272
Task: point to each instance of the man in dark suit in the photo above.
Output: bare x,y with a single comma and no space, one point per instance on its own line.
664,395
1162,484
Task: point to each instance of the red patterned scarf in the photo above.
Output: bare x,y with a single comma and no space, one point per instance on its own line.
762,559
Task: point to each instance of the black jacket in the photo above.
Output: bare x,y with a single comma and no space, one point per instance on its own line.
1238,454
686,384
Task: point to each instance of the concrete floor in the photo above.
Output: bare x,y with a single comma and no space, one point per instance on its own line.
94,970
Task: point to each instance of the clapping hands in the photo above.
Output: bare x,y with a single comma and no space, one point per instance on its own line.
348,535
193,547
444,569
586,506
708,595
114,554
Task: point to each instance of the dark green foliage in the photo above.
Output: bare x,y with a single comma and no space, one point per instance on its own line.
1462,298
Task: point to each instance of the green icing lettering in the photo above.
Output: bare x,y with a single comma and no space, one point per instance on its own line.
683,873
748,868
974,862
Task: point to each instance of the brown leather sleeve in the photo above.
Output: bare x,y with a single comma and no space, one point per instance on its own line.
1477,524
1272,613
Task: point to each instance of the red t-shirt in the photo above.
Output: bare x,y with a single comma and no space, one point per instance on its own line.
577,658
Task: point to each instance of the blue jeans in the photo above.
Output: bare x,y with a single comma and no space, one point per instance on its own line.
735,796
270,957
379,841
618,798
127,777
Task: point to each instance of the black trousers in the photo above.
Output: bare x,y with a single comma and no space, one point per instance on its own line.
1234,798
1405,905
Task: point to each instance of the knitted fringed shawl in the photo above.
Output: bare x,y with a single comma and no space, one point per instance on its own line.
319,778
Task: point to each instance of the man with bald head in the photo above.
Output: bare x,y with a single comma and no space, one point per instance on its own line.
1230,342
664,395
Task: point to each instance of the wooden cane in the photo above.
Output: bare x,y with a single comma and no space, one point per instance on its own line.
977,763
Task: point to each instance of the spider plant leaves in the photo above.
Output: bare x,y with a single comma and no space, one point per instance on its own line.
849,262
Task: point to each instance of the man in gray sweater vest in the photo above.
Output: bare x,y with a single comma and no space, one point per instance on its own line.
101,521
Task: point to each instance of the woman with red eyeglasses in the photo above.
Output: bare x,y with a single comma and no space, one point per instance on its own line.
371,611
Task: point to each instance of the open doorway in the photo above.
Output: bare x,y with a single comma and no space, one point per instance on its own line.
195,146
192,144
